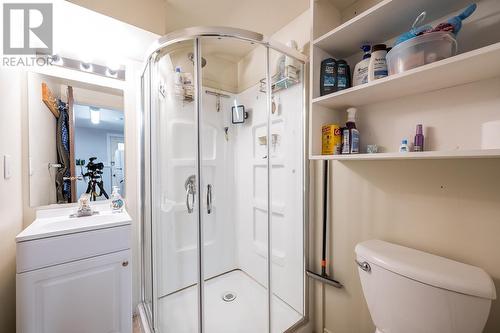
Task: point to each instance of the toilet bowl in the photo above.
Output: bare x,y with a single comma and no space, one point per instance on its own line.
410,291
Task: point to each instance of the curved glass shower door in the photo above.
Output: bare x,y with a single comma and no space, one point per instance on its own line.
235,183
175,190
223,196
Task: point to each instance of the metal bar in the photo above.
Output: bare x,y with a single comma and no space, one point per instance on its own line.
201,282
209,92
269,201
324,279
325,217
246,35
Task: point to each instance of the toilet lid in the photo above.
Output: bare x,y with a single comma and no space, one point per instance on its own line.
428,268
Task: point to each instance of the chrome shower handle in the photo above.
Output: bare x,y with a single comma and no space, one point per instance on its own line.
190,187
209,198
189,203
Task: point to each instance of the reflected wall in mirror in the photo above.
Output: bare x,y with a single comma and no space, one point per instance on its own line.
76,140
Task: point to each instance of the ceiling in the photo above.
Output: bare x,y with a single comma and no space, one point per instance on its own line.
163,16
263,16
110,120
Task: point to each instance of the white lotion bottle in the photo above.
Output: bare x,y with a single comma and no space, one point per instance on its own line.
377,68
360,75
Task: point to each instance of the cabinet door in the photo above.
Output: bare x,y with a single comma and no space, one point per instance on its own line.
86,296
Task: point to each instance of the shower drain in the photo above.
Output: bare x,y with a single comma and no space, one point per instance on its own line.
229,296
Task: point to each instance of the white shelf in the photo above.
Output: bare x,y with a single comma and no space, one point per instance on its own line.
372,25
464,68
431,155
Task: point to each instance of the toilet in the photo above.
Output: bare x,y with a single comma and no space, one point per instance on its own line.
410,291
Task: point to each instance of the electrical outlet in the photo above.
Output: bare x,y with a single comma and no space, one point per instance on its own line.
326,330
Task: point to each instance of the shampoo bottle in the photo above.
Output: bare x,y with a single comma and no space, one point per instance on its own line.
343,75
178,82
328,76
360,75
350,134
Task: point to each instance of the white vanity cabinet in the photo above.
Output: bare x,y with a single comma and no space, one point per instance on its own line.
77,279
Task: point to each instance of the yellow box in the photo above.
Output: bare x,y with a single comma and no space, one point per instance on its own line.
331,139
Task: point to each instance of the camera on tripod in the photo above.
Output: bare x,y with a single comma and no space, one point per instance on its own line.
94,172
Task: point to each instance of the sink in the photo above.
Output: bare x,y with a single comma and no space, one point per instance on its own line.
57,221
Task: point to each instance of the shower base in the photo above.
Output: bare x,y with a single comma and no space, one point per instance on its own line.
246,313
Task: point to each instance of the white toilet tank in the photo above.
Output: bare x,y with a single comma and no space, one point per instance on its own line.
410,291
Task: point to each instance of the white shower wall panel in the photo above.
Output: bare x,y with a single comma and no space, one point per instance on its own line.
286,192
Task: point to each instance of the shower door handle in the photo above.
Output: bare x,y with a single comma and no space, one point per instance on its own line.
209,198
190,187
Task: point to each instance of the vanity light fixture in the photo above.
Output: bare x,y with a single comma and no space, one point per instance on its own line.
86,66
112,68
111,72
95,115
56,60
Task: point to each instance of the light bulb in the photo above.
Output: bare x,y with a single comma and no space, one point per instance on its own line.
95,115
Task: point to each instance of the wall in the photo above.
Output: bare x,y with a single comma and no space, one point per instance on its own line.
449,208
146,14
12,100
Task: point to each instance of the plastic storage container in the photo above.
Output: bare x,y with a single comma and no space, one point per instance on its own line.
421,50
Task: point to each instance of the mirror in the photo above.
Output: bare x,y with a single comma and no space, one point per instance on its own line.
76,140
238,114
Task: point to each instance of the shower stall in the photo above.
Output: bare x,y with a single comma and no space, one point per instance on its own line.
224,180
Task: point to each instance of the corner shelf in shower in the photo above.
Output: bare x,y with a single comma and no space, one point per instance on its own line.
291,79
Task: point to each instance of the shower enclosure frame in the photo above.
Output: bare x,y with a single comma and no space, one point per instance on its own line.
149,319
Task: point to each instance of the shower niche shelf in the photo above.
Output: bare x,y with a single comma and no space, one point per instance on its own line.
278,83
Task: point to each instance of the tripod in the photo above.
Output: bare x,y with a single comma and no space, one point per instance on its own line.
94,172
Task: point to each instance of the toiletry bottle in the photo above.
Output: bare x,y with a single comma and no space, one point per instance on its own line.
178,82
403,148
418,143
360,75
350,134
280,66
328,76
343,75
377,68
291,64
116,200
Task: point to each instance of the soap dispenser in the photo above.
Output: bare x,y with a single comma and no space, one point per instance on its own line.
350,134
116,200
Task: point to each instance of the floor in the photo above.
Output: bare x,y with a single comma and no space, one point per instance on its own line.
247,313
